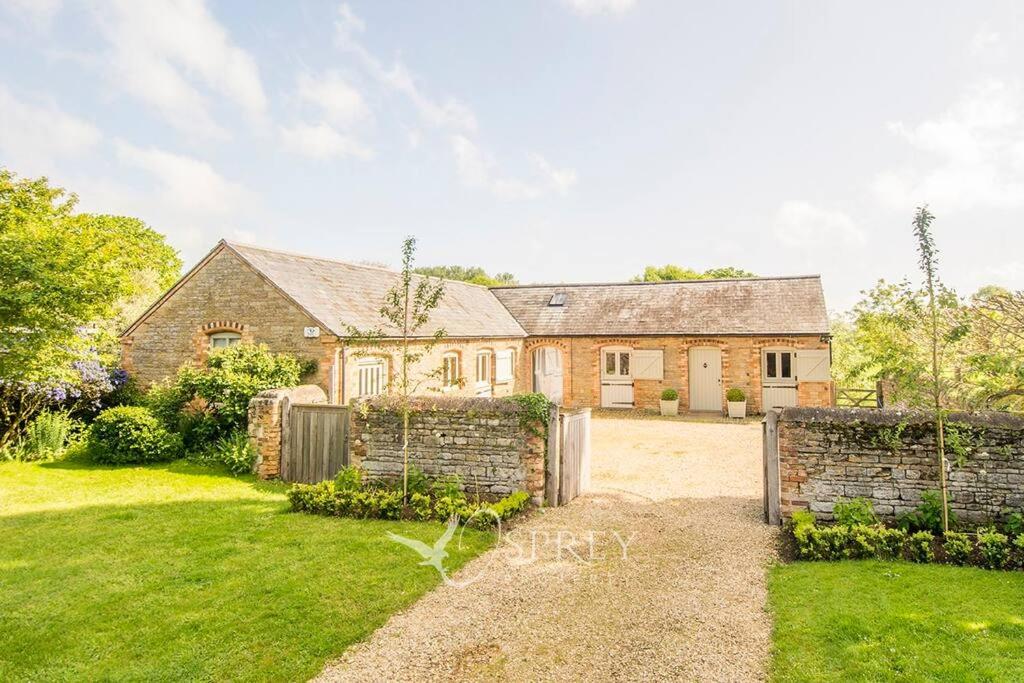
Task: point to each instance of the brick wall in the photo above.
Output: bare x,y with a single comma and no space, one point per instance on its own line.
741,367
223,295
483,441
890,458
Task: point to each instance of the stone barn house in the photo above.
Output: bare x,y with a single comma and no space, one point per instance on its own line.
597,345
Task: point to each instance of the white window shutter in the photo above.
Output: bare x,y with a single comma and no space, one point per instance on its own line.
503,366
648,364
812,365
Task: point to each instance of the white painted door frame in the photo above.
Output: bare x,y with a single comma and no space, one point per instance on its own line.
616,377
704,367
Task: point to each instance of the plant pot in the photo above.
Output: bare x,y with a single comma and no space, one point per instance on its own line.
670,407
737,409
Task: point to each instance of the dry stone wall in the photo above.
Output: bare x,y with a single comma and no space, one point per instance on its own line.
890,458
488,443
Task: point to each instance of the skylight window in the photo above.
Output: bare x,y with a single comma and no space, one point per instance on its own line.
557,299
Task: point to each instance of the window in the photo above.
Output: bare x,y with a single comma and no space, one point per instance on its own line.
450,370
504,365
557,299
483,367
222,340
616,363
372,376
779,366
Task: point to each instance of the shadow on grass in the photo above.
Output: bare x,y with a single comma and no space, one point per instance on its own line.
199,589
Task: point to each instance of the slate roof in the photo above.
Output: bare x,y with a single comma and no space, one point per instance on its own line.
748,306
339,294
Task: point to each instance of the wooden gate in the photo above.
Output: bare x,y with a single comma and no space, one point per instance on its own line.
568,473
314,445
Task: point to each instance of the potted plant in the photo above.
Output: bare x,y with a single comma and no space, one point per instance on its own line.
737,402
670,402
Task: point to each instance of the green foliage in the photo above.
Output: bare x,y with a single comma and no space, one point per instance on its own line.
210,403
131,434
958,548
536,409
1017,552
890,438
474,274
1014,523
672,272
45,438
958,439
919,547
927,516
63,271
855,511
843,542
235,452
669,395
348,479
993,548
735,394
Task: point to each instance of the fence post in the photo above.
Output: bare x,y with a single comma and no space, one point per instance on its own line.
772,490
553,464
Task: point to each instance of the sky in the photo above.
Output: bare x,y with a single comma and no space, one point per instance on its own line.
559,140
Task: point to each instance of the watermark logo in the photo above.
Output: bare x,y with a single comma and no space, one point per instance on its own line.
434,556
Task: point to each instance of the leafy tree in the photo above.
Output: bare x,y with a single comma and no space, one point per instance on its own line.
996,355
673,272
474,274
65,278
404,314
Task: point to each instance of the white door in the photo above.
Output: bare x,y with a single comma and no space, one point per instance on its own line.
547,373
616,377
705,371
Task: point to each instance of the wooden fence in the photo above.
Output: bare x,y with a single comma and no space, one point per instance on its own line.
568,456
772,483
314,443
846,397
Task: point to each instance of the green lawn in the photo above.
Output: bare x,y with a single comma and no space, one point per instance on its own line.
893,621
180,572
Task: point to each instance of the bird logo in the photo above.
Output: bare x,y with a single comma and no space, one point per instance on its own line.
432,556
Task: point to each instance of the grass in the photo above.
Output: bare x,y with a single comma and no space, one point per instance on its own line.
894,621
180,572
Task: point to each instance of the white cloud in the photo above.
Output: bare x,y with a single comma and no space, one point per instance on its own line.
972,154
985,42
477,170
190,182
335,97
802,224
39,13
321,141
32,136
161,50
591,7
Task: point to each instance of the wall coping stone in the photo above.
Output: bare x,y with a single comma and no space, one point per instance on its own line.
993,419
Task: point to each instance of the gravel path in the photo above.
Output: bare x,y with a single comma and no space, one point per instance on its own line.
684,600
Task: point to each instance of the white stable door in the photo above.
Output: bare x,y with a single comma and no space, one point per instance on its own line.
705,370
616,378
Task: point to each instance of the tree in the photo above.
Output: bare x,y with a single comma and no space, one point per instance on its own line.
671,272
404,313
996,354
65,277
928,262
474,274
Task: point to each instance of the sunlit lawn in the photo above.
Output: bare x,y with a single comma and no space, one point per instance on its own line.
179,572
885,621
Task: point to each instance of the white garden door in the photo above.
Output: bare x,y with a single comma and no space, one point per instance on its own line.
705,369
616,377
547,373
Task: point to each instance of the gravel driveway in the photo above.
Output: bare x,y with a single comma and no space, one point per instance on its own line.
658,573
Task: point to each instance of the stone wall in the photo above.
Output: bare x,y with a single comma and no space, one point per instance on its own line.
486,442
741,367
889,457
266,413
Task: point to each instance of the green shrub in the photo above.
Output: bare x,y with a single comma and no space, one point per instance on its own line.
862,541
418,481
919,547
45,437
348,479
735,394
993,548
669,395
927,516
855,511
1017,552
958,548
236,452
891,543
131,434
1014,524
